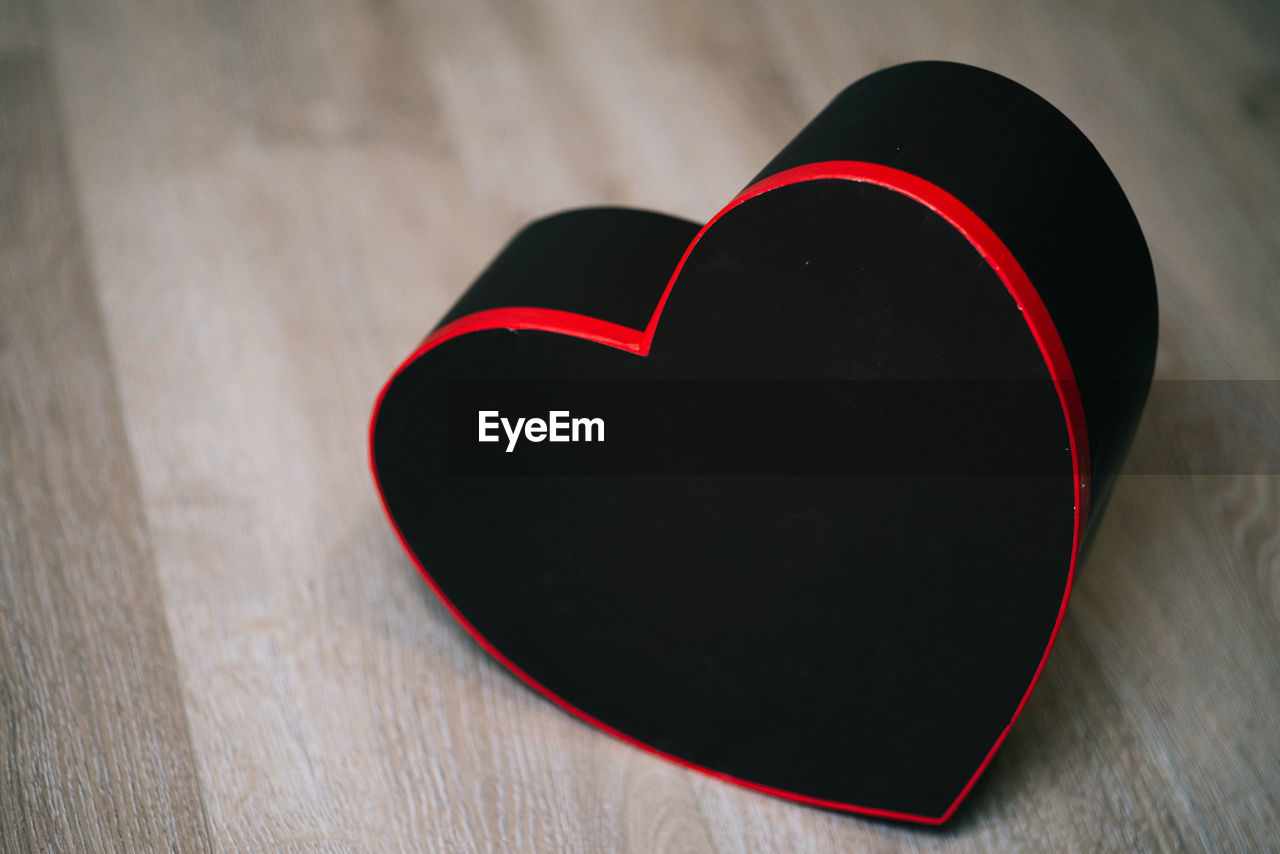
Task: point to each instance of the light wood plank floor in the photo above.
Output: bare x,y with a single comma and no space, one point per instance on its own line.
222,224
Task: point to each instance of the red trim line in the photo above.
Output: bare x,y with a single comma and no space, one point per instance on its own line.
993,251
544,319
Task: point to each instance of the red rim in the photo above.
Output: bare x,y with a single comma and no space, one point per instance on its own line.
638,341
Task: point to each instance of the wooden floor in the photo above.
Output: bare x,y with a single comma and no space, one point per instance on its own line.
222,224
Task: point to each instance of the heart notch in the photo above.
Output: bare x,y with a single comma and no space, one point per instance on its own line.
841,447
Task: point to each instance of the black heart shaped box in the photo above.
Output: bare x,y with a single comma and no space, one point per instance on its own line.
796,497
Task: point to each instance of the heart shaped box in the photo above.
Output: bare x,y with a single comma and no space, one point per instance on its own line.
839,451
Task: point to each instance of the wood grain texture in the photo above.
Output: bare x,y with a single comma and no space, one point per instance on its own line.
92,728
210,637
